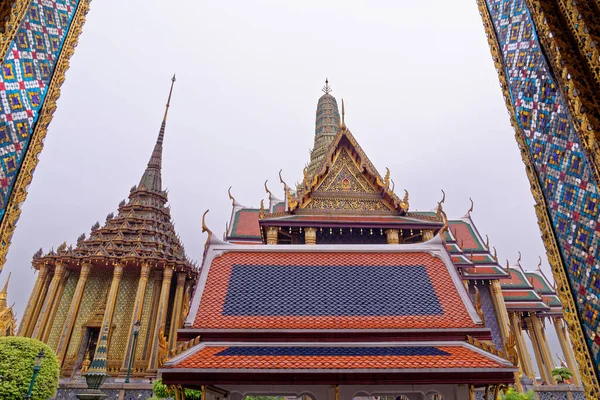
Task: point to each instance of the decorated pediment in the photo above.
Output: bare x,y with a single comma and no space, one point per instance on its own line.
347,182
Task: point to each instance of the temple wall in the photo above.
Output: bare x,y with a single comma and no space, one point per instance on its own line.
121,322
141,343
63,310
487,305
93,297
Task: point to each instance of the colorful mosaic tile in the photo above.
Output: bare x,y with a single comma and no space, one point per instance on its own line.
564,174
25,76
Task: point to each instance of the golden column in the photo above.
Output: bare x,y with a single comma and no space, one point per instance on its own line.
59,271
177,307
272,234
544,347
504,323
538,347
561,332
39,290
526,366
393,236
136,314
310,235
161,317
54,305
73,310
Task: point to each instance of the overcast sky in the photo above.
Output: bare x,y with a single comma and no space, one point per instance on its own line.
421,92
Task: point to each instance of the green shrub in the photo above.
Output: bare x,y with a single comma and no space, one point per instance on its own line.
17,355
562,374
513,394
160,391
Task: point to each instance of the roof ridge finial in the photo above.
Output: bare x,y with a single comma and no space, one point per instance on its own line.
151,180
343,122
326,89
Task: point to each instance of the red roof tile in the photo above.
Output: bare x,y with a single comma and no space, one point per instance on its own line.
465,236
245,224
213,313
216,357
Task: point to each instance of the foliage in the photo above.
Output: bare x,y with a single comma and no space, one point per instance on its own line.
562,374
17,356
160,392
513,394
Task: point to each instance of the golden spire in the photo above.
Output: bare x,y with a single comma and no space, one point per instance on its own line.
326,89
4,293
343,122
151,179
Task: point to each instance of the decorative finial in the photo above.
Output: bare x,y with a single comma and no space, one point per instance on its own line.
495,254
478,307
443,196
169,99
393,185
5,288
487,242
204,227
343,122
405,199
326,89
444,218
539,267
470,209
261,212
519,259
267,190
507,267
230,196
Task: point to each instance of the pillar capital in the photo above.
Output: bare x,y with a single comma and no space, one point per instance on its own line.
272,234
168,272
427,234
85,269
393,236
310,235
145,269
181,277
59,269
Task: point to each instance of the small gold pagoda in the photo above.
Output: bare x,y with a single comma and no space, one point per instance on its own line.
132,269
7,316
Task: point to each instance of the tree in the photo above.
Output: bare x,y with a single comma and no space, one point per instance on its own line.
561,374
17,356
513,394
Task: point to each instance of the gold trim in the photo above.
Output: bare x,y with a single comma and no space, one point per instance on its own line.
16,15
30,159
588,375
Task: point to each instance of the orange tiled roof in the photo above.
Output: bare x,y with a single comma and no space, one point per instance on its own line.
233,297
245,223
263,357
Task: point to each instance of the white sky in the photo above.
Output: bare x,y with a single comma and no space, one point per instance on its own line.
421,92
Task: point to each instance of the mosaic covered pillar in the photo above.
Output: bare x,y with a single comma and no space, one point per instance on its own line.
34,299
136,314
54,305
38,38
112,298
161,318
73,310
59,271
548,67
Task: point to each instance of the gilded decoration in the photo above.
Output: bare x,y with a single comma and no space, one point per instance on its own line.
63,309
122,314
345,176
145,320
49,76
583,356
93,296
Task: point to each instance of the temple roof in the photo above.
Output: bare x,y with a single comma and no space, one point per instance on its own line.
398,357
142,229
520,295
325,287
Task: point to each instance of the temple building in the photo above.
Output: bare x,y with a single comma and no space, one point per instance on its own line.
340,290
130,276
546,54
8,320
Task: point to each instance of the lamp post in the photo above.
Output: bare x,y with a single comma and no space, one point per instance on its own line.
136,330
37,364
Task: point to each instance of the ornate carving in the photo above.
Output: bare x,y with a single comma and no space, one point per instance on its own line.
163,349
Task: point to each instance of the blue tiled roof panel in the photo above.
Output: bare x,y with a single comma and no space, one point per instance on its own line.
332,351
